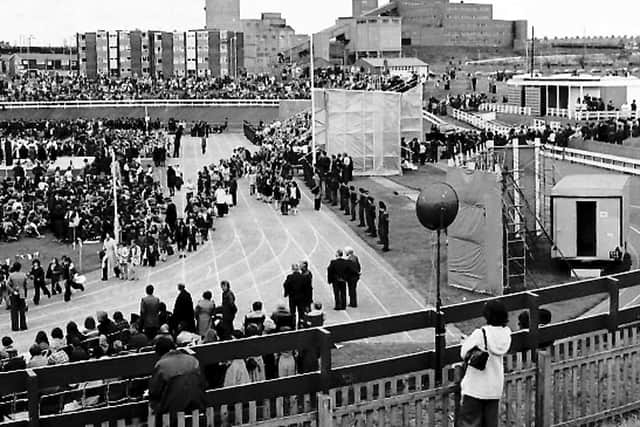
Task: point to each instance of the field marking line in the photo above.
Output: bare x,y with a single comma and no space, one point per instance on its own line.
367,250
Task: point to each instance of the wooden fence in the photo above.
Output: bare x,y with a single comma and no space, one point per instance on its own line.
259,402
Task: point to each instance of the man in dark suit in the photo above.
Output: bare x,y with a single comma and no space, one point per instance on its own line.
371,211
337,273
362,206
352,280
292,290
307,285
149,313
353,198
176,142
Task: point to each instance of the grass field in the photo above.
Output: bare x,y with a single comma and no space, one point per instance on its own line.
412,251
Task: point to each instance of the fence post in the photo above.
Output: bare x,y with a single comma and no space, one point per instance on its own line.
325,359
534,334
33,395
614,305
325,410
544,385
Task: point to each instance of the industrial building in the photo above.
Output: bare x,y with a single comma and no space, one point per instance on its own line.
264,38
427,29
434,23
160,53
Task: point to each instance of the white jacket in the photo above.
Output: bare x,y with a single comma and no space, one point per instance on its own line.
487,384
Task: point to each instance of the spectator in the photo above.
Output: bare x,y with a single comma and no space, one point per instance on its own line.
106,326
137,340
177,383
90,330
255,317
37,357
204,313
57,339
74,333
120,322
236,373
150,313
42,341
183,309
229,309
482,389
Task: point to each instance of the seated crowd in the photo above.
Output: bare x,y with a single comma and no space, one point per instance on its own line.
79,88
154,326
358,79
73,204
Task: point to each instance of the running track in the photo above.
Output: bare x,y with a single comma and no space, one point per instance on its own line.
253,248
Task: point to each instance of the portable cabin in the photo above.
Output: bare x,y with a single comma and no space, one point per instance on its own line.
590,217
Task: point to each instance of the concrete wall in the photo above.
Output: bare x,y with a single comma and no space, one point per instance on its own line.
289,108
236,115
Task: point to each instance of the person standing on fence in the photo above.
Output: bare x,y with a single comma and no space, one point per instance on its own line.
481,389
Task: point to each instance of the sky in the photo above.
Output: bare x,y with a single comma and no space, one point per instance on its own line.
49,22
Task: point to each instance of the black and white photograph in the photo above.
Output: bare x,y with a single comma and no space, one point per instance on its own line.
349,213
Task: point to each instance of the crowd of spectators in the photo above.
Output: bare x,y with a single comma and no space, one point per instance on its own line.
79,88
154,327
357,79
74,202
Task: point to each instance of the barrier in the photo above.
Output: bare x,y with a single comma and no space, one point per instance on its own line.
585,115
479,122
505,109
558,112
590,158
320,340
143,103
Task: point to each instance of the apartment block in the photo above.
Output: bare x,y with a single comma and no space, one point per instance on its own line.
159,54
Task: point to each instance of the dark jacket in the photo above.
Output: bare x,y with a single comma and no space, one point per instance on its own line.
294,288
339,270
149,309
177,384
183,311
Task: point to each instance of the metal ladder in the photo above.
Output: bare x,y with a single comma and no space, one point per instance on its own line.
515,259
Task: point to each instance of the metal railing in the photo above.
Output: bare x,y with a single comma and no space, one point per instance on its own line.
480,122
505,109
558,112
143,103
590,158
585,115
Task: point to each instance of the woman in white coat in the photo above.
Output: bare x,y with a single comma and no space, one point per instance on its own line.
482,389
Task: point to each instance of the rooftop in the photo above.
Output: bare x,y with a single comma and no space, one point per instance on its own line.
570,79
591,185
395,62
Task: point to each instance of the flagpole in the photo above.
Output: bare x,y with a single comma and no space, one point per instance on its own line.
313,104
116,220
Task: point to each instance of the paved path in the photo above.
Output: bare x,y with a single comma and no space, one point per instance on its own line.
253,248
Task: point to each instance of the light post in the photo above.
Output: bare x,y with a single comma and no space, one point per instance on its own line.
437,208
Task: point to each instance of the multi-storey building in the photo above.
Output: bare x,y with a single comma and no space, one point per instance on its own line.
161,54
440,23
124,53
265,38
179,54
262,40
